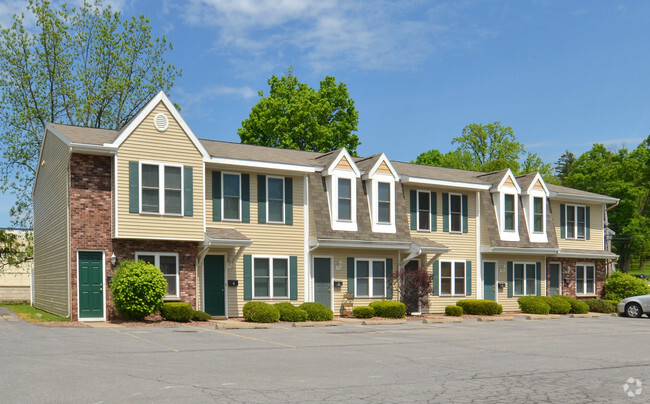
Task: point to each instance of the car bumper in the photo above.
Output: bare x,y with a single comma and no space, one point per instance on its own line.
620,307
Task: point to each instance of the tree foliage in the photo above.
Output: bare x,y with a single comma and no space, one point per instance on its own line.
295,116
13,251
413,287
84,66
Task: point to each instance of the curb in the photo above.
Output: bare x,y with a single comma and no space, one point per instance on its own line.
491,319
442,320
541,316
317,324
239,325
586,315
383,322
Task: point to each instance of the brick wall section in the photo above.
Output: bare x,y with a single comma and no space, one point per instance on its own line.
90,212
569,272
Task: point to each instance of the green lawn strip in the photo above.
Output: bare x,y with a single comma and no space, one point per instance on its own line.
29,313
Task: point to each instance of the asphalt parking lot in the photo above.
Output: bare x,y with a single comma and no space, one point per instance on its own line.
564,360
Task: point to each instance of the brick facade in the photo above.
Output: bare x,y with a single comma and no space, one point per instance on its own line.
568,270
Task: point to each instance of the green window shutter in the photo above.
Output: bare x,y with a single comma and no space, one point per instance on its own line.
436,276
248,277
245,198
288,200
445,212
261,199
464,211
434,211
414,209
587,222
468,278
293,277
216,196
188,191
538,276
389,284
510,276
134,187
562,221
351,275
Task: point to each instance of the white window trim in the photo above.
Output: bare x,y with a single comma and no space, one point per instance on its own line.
507,235
584,285
333,188
575,224
373,201
461,212
417,196
161,187
514,288
223,197
370,278
284,199
529,213
453,278
271,258
157,256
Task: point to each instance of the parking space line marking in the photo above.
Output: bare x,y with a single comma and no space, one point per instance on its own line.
251,338
145,340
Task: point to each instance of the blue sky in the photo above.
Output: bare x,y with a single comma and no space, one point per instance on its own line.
562,74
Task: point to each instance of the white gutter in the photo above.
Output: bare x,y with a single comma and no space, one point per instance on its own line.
226,242
263,165
519,250
582,198
450,184
586,254
384,245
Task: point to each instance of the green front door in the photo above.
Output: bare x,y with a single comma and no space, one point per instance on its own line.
489,281
91,284
322,282
214,286
554,281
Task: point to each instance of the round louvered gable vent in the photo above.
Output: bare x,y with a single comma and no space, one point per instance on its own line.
161,122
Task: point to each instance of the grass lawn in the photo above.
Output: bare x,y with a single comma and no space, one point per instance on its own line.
27,312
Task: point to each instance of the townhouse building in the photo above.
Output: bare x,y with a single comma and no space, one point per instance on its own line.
229,223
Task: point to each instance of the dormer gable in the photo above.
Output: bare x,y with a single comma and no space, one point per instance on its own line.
341,176
380,180
535,201
506,192
342,161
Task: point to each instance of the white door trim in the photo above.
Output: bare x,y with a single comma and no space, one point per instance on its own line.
312,282
104,286
496,279
225,282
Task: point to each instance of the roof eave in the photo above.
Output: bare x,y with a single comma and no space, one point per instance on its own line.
519,250
263,165
582,198
370,244
406,179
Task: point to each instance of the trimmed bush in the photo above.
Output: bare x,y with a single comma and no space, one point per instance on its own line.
620,285
363,312
533,305
455,311
600,306
480,307
177,311
289,312
557,305
388,309
577,306
317,312
260,312
199,315
137,288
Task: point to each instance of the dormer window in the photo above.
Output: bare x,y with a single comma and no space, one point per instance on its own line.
344,199
506,198
341,179
534,200
383,202
538,215
509,212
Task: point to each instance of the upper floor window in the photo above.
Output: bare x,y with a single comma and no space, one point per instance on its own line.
344,199
452,278
538,215
424,210
370,278
168,264
275,199
456,212
525,279
383,202
270,277
509,212
162,188
575,221
231,196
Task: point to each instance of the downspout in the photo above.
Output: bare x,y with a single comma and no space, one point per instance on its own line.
608,246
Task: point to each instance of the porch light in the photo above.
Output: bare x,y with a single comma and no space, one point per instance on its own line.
113,259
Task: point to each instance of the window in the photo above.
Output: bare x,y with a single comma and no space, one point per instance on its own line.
509,212
168,264
345,199
275,199
576,222
525,280
452,278
455,212
585,279
270,277
538,215
424,210
370,278
383,202
167,198
231,196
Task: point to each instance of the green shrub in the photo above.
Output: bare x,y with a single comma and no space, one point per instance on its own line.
600,306
557,304
137,288
289,312
480,307
201,316
577,306
363,312
620,285
388,309
533,305
260,312
317,312
177,311
455,311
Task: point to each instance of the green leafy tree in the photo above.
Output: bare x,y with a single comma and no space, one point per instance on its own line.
493,147
84,66
295,116
13,251
563,165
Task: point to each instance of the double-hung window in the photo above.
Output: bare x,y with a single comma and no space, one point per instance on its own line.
231,196
424,210
275,199
452,278
538,214
509,212
456,212
576,222
168,264
383,202
525,280
585,279
370,278
344,199
162,188
271,277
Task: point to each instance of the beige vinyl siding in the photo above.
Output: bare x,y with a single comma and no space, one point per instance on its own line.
509,183
52,229
383,169
268,238
538,186
172,146
510,304
596,235
344,164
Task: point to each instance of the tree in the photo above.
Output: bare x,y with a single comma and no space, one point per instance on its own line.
295,116
84,66
413,287
12,250
493,147
563,165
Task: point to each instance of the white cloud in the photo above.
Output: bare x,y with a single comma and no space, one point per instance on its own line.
197,104
10,7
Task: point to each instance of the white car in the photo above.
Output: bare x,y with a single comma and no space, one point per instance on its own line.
634,306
